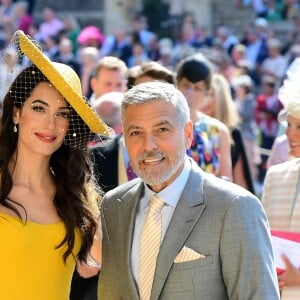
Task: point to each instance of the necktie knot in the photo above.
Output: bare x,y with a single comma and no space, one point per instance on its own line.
156,204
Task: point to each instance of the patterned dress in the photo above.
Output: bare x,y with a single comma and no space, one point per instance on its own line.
205,148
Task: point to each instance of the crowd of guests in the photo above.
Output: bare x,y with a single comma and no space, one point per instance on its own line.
253,65
272,10
240,91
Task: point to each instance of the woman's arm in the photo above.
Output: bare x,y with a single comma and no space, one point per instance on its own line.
239,174
225,153
94,260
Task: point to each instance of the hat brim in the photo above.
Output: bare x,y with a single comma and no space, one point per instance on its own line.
80,105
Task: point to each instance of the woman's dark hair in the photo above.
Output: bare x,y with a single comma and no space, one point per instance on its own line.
71,168
194,68
132,75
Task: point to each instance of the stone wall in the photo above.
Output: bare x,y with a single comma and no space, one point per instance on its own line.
110,15
71,5
87,11
113,14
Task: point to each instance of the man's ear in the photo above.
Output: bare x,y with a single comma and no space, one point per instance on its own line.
16,115
189,134
93,83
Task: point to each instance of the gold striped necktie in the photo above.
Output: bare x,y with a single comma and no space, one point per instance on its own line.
150,243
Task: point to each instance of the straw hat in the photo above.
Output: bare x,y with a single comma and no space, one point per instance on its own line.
65,80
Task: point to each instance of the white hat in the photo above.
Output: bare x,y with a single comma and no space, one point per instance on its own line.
242,80
289,92
261,22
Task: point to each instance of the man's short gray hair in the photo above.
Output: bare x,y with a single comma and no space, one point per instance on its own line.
155,91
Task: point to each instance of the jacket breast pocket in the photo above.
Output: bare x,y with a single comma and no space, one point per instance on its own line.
180,278
196,279
208,260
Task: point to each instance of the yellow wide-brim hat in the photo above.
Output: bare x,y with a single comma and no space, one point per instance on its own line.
65,80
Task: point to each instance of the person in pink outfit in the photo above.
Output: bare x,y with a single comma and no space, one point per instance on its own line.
51,26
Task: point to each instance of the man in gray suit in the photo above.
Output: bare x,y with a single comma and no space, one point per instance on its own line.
215,240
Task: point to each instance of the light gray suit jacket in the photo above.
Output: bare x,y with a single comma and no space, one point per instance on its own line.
213,217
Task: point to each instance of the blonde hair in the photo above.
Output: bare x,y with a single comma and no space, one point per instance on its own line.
90,52
225,110
111,63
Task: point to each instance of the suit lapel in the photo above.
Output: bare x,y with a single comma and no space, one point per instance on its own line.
187,213
126,216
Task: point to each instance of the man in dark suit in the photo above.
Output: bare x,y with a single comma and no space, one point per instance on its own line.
109,161
107,164
108,83
213,236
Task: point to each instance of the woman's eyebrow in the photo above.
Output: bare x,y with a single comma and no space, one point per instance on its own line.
40,101
45,103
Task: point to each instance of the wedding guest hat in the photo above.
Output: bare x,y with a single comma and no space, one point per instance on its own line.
90,33
289,92
85,122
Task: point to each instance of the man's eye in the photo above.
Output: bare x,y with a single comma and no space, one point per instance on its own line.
163,129
134,133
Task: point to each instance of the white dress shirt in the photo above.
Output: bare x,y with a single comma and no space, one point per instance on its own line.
170,195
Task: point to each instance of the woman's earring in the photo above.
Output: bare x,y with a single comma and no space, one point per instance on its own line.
15,128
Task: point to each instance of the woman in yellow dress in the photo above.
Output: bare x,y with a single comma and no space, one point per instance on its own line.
48,217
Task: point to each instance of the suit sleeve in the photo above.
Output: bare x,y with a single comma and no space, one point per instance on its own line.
246,253
106,289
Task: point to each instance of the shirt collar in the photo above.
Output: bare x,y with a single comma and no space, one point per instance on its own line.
172,193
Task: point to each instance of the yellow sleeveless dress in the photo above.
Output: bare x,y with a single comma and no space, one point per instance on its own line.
30,266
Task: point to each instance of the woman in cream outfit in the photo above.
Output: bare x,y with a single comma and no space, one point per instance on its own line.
281,194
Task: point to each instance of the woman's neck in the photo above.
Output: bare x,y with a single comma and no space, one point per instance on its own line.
33,173
196,116
294,154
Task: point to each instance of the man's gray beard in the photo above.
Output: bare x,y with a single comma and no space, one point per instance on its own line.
164,175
